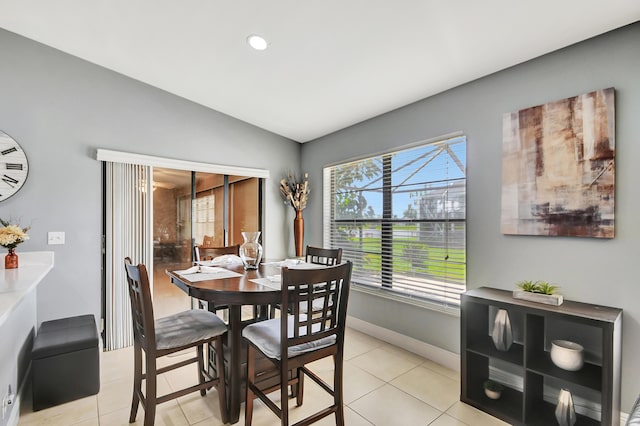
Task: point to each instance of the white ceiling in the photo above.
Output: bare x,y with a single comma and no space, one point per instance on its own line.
330,63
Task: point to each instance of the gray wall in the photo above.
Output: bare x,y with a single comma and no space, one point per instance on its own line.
60,110
589,270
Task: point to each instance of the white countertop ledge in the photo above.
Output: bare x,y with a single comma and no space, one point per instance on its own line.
15,284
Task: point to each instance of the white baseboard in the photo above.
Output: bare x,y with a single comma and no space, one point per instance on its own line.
441,356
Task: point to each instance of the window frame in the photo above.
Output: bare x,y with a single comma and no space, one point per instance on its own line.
385,288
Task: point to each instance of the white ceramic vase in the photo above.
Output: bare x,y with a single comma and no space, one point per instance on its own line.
565,412
501,334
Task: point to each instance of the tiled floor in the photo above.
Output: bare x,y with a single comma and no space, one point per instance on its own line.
383,385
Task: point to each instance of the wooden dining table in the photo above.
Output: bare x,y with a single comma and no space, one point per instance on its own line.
234,292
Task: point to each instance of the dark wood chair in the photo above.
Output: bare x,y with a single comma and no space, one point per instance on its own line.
294,340
323,256
208,253
158,338
318,256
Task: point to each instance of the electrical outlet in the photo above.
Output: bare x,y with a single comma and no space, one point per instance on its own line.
55,238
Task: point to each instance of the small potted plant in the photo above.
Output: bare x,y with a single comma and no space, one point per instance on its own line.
538,291
493,389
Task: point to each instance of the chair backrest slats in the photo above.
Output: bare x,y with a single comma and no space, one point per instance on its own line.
329,285
141,304
323,256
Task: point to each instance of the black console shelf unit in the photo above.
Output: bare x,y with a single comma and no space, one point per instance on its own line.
530,359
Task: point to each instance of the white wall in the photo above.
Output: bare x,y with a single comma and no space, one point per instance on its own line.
588,269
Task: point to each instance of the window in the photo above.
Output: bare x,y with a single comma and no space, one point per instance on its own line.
204,217
400,217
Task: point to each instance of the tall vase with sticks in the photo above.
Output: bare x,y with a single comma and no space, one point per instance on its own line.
295,192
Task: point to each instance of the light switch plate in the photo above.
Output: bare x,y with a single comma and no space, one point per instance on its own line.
55,238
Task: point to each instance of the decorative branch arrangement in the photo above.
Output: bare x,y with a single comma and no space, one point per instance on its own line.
295,192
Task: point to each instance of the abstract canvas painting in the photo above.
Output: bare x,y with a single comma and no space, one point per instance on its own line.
558,168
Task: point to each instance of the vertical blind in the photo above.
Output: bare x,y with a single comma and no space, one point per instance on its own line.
128,201
400,217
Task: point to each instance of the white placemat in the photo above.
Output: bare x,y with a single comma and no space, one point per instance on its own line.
225,259
204,273
296,264
273,281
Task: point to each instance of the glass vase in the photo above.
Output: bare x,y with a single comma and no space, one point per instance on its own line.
11,259
251,250
565,412
502,335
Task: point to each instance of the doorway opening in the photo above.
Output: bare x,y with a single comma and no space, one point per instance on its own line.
196,209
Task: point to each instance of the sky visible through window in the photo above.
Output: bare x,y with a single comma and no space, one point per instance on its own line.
414,170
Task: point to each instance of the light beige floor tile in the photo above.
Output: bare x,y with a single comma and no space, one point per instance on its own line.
409,356
357,343
197,408
433,388
116,395
116,365
356,381
63,415
351,418
446,420
166,415
439,368
391,406
384,364
89,422
472,416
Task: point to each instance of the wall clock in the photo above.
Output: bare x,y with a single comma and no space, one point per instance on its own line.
14,167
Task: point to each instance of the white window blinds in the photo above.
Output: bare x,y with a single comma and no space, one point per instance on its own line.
128,201
400,217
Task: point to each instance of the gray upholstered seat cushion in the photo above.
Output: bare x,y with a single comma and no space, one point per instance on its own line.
266,336
187,327
634,415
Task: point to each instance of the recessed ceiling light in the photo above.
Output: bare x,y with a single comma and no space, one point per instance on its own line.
257,42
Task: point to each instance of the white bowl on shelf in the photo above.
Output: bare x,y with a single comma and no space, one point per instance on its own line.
567,355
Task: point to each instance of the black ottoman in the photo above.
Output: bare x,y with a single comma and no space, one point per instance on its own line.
65,361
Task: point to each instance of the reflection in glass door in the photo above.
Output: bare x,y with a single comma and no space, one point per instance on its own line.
195,208
171,236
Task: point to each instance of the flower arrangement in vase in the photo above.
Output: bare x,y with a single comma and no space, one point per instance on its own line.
10,237
296,192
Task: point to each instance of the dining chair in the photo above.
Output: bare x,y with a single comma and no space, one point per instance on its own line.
165,336
208,241
318,256
208,253
323,256
295,340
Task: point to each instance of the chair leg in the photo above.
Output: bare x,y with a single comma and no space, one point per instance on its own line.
137,382
222,383
284,389
338,397
248,404
201,378
300,387
151,391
